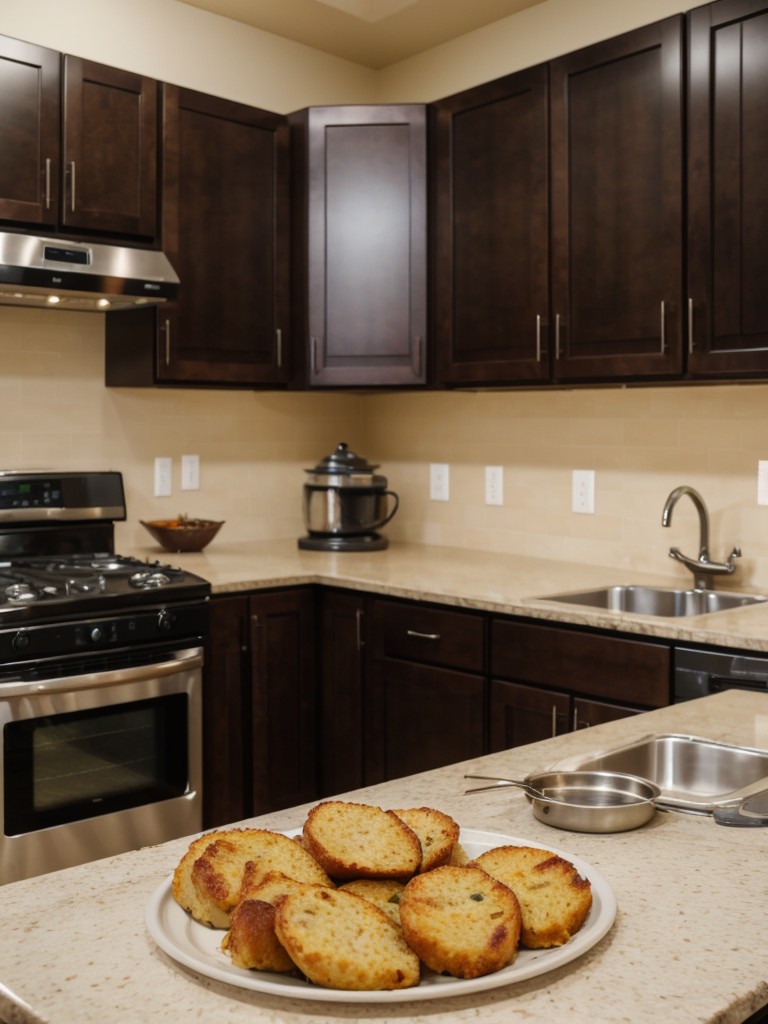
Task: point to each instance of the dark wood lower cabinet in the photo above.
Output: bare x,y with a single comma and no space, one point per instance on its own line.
421,717
260,705
310,692
556,679
523,714
343,624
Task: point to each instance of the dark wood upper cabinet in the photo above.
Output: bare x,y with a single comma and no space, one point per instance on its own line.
728,199
78,145
226,231
360,285
109,150
491,231
617,206
29,133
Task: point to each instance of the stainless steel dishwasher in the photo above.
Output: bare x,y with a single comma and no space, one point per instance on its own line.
698,672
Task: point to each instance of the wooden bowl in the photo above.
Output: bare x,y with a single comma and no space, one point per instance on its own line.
183,534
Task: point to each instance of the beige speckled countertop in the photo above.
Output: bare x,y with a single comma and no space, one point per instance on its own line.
508,584
689,943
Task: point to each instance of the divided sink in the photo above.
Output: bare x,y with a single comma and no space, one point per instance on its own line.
657,601
692,773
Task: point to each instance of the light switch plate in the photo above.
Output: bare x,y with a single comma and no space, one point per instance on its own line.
163,477
494,485
583,491
762,482
439,481
190,472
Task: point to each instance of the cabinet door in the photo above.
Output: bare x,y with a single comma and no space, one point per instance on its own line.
594,712
364,242
617,218
728,199
524,714
225,229
29,133
225,722
591,664
110,166
343,632
420,717
491,149
284,741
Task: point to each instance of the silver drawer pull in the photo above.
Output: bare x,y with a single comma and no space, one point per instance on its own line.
422,636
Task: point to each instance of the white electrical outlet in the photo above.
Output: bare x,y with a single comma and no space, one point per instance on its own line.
494,485
762,482
439,481
583,491
163,477
190,472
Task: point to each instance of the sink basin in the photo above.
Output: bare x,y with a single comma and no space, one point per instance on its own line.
692,773
657,601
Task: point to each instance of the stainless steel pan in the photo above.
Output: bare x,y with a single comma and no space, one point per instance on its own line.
585,801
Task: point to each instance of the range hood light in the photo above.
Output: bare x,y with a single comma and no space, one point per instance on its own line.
52,300
104,303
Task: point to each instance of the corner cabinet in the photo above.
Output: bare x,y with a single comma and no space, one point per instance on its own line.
728,200
360,245
617,206
78,145
225,230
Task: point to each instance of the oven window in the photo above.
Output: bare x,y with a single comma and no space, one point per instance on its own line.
66,767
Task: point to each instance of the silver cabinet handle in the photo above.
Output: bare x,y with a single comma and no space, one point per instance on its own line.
663,328
538,338
72,181
166,329
315,353
48,183
422,636
554,720
279,336
416,360
690,325
557,341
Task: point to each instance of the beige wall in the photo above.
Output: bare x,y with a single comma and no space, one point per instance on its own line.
55,411
641,443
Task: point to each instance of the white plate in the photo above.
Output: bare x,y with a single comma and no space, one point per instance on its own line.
199,948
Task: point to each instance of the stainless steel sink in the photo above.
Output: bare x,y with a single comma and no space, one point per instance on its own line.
692,773
657,601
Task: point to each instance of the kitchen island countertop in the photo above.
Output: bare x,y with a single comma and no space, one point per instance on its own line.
487,581
690,940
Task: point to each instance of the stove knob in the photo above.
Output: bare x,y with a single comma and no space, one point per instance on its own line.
97,634
20,642
165,620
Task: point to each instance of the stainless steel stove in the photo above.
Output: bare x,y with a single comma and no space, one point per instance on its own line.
100,680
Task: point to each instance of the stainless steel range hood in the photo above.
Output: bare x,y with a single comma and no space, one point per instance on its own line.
58,274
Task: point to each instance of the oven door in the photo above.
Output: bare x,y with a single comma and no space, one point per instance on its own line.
101,762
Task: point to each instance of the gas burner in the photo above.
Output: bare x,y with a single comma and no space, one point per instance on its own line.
86,585
21,592
149,579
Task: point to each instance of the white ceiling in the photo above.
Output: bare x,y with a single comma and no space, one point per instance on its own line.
375,33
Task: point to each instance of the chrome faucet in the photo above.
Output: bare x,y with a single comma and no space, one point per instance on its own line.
702,568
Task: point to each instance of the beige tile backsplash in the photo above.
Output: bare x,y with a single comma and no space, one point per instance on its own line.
56,412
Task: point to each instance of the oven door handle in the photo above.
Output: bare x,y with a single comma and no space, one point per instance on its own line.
181,662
